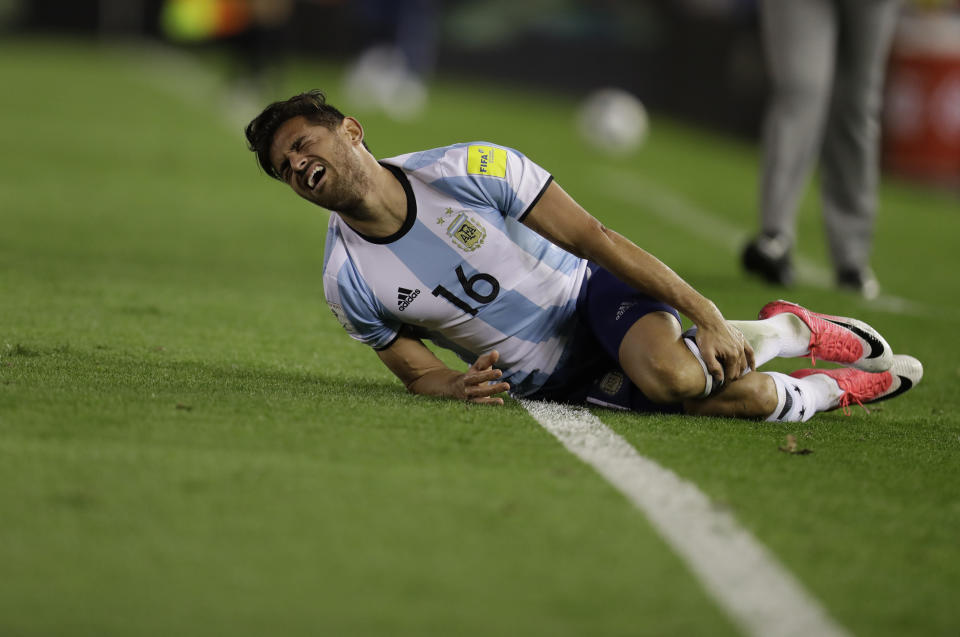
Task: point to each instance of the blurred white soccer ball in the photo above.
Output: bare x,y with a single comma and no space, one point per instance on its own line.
613,121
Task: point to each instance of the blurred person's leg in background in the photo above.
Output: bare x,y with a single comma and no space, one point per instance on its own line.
260,50
799,40
390,74
850,159
252,34
826,63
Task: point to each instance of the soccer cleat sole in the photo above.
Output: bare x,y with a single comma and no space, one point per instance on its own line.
868,351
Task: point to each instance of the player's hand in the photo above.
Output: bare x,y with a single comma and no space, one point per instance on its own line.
725,351
475,385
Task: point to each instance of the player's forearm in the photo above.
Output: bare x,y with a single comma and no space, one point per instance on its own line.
423,373
643,271
479,384
437,382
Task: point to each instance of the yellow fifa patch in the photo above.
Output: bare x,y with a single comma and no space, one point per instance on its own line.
487,160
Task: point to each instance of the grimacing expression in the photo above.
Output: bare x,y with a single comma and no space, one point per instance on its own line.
318,163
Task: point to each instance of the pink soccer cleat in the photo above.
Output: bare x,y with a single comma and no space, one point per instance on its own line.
863,387
838,339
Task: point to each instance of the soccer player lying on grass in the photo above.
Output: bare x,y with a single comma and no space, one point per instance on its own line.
476,248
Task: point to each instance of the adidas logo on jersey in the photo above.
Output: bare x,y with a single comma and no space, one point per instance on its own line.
405,297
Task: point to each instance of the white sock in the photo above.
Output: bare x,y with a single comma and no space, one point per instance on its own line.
688,340
798,399
783,335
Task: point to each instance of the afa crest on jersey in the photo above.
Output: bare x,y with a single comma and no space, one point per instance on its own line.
467,232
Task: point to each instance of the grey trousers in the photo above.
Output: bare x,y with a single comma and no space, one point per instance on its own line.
827,61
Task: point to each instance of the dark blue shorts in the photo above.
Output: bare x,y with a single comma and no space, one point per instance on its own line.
611,307
607,309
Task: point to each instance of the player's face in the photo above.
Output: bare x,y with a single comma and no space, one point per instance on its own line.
321,165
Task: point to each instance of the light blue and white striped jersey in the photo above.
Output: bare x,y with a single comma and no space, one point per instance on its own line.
463,271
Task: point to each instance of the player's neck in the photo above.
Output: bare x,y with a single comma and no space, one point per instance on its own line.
383,208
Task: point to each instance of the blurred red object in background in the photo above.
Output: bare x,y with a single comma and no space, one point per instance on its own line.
922,106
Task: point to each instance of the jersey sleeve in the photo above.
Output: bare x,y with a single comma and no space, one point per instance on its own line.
486,175
356,308
527,181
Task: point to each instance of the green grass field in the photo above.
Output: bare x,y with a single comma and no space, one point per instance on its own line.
190,444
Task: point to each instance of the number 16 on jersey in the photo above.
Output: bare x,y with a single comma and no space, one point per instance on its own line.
469,286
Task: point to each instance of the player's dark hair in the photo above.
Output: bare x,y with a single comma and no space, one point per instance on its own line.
312,105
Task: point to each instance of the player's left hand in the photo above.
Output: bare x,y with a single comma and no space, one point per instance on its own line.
480,383
725,351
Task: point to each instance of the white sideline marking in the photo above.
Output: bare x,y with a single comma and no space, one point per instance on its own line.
704,224
758,594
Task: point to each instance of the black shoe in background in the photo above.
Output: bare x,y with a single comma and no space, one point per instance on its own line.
769,258
861,281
